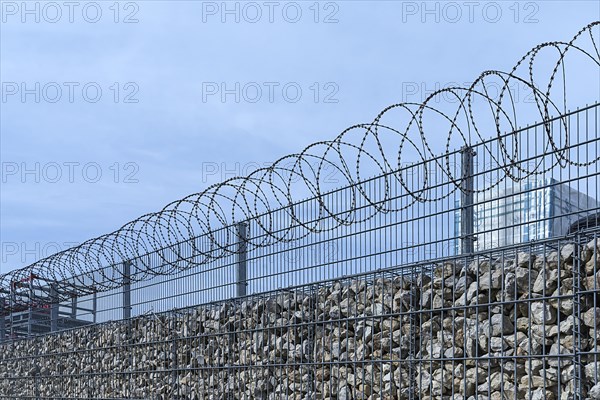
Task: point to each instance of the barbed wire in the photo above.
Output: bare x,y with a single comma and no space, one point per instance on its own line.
95,265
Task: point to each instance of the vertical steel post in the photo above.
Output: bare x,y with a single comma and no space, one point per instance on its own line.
12,302
127,290
54,306
74,307
31,305
94,305
242,260
578,266
467,219
2,320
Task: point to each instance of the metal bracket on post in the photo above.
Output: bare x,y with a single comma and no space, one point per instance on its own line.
242,260
127,290
53,308
467,219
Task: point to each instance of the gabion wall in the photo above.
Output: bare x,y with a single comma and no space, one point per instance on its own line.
512,325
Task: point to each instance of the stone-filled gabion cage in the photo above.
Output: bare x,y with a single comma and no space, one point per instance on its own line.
522,323
389,263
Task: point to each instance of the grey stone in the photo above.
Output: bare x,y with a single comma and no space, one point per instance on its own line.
542,313
591,318
594,392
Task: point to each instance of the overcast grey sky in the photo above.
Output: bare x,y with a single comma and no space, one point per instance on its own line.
111,110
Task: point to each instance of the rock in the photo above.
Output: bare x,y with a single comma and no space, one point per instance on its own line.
498,325
478,267
592,266
567,251
516,340
594,392
555,350
344,393
426,299
542,394
566,326
546,281
471,293
523,259
491,280
591,318
510,290
497,345
592,371
542,313
592,282
462,284
525,279
497,380
445,271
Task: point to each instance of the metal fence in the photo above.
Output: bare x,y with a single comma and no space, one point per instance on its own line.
467,273
541,207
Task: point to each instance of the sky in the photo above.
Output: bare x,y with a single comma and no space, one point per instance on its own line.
111,110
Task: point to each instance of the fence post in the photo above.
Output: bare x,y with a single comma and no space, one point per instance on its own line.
12,303
74,307
2,320
31,305
54,306
127,290
242,260
466,207
94,305
578,266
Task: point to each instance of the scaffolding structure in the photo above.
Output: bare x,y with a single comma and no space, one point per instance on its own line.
31,308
